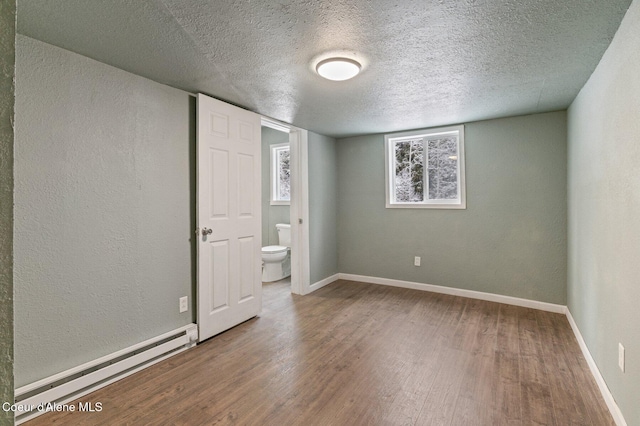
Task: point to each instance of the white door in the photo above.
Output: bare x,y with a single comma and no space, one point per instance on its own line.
229,221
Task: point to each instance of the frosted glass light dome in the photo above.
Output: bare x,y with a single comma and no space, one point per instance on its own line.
338,69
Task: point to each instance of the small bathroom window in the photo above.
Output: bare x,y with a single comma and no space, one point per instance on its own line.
280,175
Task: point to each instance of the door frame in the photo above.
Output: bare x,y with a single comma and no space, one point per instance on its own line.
299,207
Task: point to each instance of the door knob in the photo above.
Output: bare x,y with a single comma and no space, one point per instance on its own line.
207,231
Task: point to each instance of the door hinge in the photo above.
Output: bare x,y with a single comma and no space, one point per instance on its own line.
300,221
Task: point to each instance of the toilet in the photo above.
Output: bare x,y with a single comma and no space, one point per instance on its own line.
276,260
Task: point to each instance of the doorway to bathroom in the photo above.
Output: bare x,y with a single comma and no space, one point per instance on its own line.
228,214
284,205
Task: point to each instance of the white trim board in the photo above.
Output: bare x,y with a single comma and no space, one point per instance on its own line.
509,300
604,389
315,286
299,211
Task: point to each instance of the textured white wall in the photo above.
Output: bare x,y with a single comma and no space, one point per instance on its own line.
103,208
604,205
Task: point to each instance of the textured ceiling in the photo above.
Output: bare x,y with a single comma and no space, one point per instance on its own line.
426,62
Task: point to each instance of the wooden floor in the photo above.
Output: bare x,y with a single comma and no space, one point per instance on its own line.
353,354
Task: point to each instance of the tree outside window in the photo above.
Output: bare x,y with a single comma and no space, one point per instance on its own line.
425,169
280,174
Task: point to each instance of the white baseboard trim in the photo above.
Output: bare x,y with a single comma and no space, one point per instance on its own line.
509,300
313,287
604,389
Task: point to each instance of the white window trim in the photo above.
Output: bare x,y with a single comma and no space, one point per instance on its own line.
274,168
389,175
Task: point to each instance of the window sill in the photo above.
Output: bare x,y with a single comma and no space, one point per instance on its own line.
451,206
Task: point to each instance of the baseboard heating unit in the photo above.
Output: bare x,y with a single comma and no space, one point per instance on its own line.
69,385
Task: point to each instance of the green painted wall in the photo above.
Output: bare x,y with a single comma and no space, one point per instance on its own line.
323,207
604,206
511,239
7,90
104,197
271,214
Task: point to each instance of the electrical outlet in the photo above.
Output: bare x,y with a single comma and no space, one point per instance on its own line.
621,357
184,304
416,261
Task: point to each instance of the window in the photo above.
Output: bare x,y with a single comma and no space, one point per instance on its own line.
425,169
280,175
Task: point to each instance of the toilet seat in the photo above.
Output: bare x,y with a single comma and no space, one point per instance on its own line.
274,249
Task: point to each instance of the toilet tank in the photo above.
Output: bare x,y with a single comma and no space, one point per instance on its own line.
284,234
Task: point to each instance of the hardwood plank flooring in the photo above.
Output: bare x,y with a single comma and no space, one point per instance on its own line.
355,353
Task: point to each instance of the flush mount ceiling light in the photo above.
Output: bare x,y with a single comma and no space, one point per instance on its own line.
338,69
